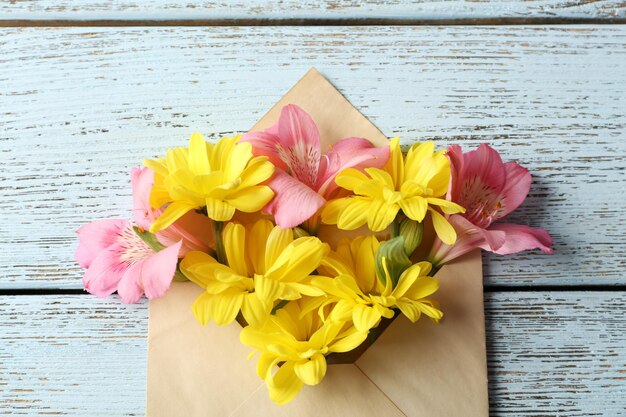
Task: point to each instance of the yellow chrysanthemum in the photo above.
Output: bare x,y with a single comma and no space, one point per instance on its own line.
413,185
265,264
351,283
223,178
300,342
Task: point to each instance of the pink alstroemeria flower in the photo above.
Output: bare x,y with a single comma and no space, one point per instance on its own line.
194,229
304,178
117,259
489,190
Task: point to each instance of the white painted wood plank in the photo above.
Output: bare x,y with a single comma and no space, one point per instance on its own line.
309,9
548,354
80,106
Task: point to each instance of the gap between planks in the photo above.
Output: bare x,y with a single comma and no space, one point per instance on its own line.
487,289
499,21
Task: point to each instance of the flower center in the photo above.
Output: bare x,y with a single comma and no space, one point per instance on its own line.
483,206
133,249
303,162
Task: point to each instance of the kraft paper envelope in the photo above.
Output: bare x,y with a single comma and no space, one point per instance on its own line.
422,369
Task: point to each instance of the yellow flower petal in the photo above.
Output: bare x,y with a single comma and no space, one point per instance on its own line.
443,228
225,306
173,212
202,308
381,176
424,287
365,317
258,170
380,215
265,364
349,342
234,245
330,212
428,307
311,371
419,164
395,163
219,210
439,182
410,310
268,290
177,158
256,251
414,208
255,310
342,311
298,260
406,281
448,207
370,188
284,385
194,258
239,156
277,240
221,152
159,196
350,178
198,158
250,199
354,214
159,166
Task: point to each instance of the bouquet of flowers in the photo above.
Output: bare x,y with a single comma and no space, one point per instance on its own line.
311,250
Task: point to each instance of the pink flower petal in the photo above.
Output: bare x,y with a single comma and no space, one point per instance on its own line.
469,237
158,270
348,153
300,144
486,239
295,126
520,237
195,229
486,164
266,144
294,202
455,155
129,288
516,189
141,180
96,237
105,272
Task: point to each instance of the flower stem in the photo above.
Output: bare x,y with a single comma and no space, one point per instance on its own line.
218,227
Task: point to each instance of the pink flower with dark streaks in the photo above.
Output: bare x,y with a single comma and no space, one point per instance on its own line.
489,190
117,259
304,177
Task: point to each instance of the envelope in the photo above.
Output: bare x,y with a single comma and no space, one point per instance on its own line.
413,369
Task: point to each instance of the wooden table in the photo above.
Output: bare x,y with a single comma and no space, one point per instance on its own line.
90,88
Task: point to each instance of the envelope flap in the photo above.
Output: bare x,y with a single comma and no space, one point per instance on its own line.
335,117
437,370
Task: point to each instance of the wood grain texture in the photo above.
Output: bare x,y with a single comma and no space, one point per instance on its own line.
548,354
81,106
308,9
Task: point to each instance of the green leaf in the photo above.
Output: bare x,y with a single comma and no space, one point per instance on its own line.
412,232
149,238
395,257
